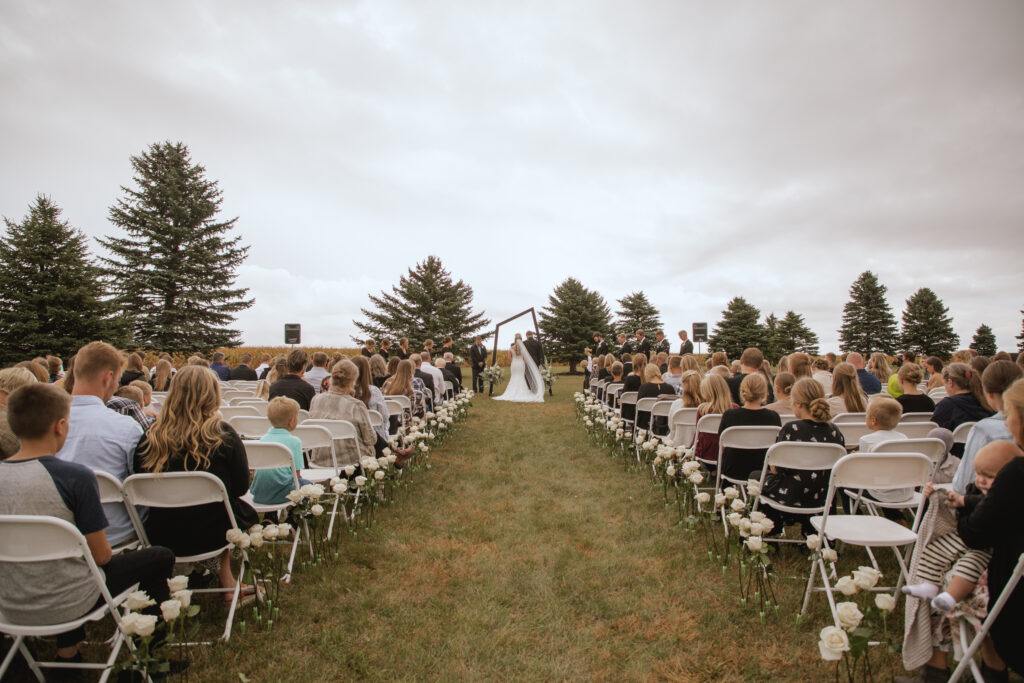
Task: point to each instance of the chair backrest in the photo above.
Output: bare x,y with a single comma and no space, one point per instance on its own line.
881,471
229,394
339,429
394,407
250,426
683,426
246,400
645,405
228,412
449,388
376,419
916,417
708,424
661,408
260,406
313,436
110,487
593,385
852,433
611,389
850,418
404,401
266,455
962,431
934,449
303,415
915,430
748,437
804,455
937,394
176,490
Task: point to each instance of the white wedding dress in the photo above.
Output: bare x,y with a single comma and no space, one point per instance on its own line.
525,384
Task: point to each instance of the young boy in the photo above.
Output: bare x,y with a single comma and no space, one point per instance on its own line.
270,487
34,482
147,397
948,550
883,415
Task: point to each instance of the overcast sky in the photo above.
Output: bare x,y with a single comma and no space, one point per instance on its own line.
694,150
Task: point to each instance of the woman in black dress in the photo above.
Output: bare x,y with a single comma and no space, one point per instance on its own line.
737,463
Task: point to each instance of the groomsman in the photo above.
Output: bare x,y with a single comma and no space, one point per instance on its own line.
477,359
643,344
600,345
661,345
625,346
687,345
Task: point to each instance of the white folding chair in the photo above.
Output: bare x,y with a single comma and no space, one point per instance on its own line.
376,419
303,415
850,418
316,436
933,449
250,426
852,434
683,427
916,417
28,539
404,401
613,395
970,648
962,431
186,489
661,408
866,471
708,424
601,384
644,407
797,455
915,430
337,430
246,400
266,455
228,412
937,394
593,386
449,390
744,438
112,492
395,410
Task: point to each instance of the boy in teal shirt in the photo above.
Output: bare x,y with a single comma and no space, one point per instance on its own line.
270,487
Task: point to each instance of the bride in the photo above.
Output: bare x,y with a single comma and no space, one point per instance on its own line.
524,384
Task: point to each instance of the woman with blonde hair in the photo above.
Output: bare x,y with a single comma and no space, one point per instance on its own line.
878,365
847,396
719,358
635,379
799,365
378,370
161,379
784,382
370,395
911,398
689,364
738,463
689,397
404,383
188,436
716,399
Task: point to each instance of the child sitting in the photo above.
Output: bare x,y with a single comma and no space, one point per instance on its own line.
883,415
135,395
147,397
949,550
270,487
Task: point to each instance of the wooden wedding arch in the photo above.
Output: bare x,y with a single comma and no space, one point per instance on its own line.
536,331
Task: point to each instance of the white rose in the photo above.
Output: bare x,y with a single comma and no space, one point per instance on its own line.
256,528
696,478
703,497
754,544
829,555
670,471
767,524
720,499
145,625
738,505
832,643
814,542
866,578
234,536
756,528
849,615
170,609
757,516
350,470
386,452
128,622
243,541
846,586
270,532
318,490
885,602
339,489
731,493
256,540
734,518
317,510
138,600
744,525
177,583
335,480
283,529
184,597
378,475
392,459
360,480
753,489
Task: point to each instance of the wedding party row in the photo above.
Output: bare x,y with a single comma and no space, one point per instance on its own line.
234,494
764,459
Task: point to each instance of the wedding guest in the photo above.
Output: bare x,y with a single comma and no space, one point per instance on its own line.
371,396
133,370
455,369
893,383
750,361
784,364
627,364
447,371
403,383
689,397
147,398
264,365
435,375
719,358
369,348
934,367
190,436
393,362
605,371
674,376
654,387
378,369
661,360
738,463
220,367
403,349
847,395
800,365
997,378
909,396
782,405
965,400
244,371
316,375
868,382
425,379
636,377
685,346
55,368
271,487
883,416
831,358
478,359
612,399
40,371
716,399
690,363
625,346
642,344
10,379
823,375
292,383
878,365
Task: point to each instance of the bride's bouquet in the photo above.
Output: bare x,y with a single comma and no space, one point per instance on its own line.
492,375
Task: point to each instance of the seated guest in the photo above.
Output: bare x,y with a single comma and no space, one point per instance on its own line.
661,360
868,382
292,383
371,396
378,370
719,358
10,379
847,395
997,378
189,436
605,370
133,370
910,397
802,488
56,368
264,366
393,362
38,369
965,401
883,415
127,400
98,437
674,376
612,399
425,378
738,463
403,383
750,362
799,366
454,368
316,375
627,364
784,382
893,384
34,482
449,376
147,398
934,366
435,374
689,397
162,373
635,378
220,367
878,365
244,371
271,487
716,399
654,387
822,374
689,362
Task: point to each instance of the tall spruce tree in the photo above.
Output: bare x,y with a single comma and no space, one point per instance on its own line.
794,335
984,341
52,298
868,322
738,329
569,321
927,325
772,348
174,274
1020,337
636,312
426,304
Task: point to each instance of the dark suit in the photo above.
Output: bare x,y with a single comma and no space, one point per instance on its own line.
627,347
643,346
243,372
662,347
429,382
534,349
449,376
686,347
602,348
456,370
478,360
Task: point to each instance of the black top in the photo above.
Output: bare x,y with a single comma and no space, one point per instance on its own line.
293,387
802,488
603,374
379,381
200,528
953,411
627,368
739,463
655,389
632,383
686,347
129,376
403,355
243,372
993,522
916,403
601,348
734,383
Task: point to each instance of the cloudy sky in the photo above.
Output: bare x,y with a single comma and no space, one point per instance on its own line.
695,150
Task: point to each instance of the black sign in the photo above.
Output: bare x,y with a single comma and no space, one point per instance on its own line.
292,333
700,332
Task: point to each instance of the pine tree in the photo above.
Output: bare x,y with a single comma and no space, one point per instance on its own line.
984,341
1020,337
174,274
794,336
569,321
426,304
927,326
51,293
868,322
636,312
772,342
738,329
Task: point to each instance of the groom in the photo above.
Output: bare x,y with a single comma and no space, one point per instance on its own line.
478,357
533,348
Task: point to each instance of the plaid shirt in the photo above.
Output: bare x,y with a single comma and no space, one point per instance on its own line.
128,407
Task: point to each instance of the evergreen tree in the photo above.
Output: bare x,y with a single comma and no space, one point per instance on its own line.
174,274
868,322
636,312
738,329
569,321
794,335
426,304
1020,337
51,293
927,326
984,341
772,341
